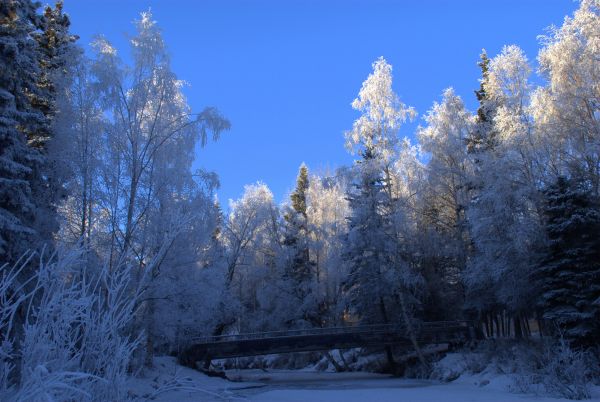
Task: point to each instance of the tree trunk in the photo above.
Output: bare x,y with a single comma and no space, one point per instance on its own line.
527,327
410,330
518,328
497,325
388,350
149,312
540,323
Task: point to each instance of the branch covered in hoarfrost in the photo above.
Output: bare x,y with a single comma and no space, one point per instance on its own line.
73,341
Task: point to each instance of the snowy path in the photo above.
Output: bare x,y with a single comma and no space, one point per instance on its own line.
302,386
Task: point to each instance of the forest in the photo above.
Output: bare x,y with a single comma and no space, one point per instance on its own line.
114,250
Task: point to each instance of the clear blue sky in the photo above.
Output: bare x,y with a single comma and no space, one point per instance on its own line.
285,72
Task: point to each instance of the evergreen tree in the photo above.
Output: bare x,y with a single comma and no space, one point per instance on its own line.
300,268
370,246
57,54
36,52
482,138
569,275
19,119
298,197
369,249
380,276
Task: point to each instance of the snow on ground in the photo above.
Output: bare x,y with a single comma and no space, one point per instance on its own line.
170,382
432,393
351,387
301,386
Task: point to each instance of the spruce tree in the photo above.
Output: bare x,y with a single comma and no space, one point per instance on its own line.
569,275
300,268
369,246
19,119
482,138
298,197
36,52
57,54
376,283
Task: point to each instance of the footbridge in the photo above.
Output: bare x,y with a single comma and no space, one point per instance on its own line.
319,339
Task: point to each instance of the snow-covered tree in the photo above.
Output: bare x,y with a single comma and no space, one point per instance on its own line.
177,294
83,120
567,110
482,137
370,244
16,65
252,238
57,56
448,173
369,249
374,134
133,189
568,274
299,268
379,276
151,122
505,211
29,184
327,209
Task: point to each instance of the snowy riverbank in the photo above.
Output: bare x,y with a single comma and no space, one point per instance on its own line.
169,382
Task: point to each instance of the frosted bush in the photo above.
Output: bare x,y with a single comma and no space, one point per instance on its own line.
72,342
565,372
555,369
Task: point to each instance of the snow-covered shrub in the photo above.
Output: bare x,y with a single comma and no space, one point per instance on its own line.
74,344
555,369
593,363
107,343
13,295
476,362
449,368
565,372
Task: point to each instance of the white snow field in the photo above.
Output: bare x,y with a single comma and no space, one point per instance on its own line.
312,386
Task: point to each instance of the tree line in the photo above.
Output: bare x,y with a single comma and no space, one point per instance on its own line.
491,216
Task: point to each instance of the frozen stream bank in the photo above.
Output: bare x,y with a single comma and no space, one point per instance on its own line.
312,386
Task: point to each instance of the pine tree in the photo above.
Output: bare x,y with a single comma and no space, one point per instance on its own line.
569,275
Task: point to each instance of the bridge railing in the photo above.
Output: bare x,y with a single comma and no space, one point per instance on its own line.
374,328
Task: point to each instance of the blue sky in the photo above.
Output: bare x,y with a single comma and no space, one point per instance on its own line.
285,72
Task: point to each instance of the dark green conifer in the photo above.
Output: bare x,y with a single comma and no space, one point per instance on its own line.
300,268
569,275
483,137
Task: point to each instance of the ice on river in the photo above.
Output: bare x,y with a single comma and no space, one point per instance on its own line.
168,382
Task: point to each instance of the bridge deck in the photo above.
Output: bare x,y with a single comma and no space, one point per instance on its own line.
316,339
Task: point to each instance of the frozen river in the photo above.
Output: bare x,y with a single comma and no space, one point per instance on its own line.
315,386
301,386
276,382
